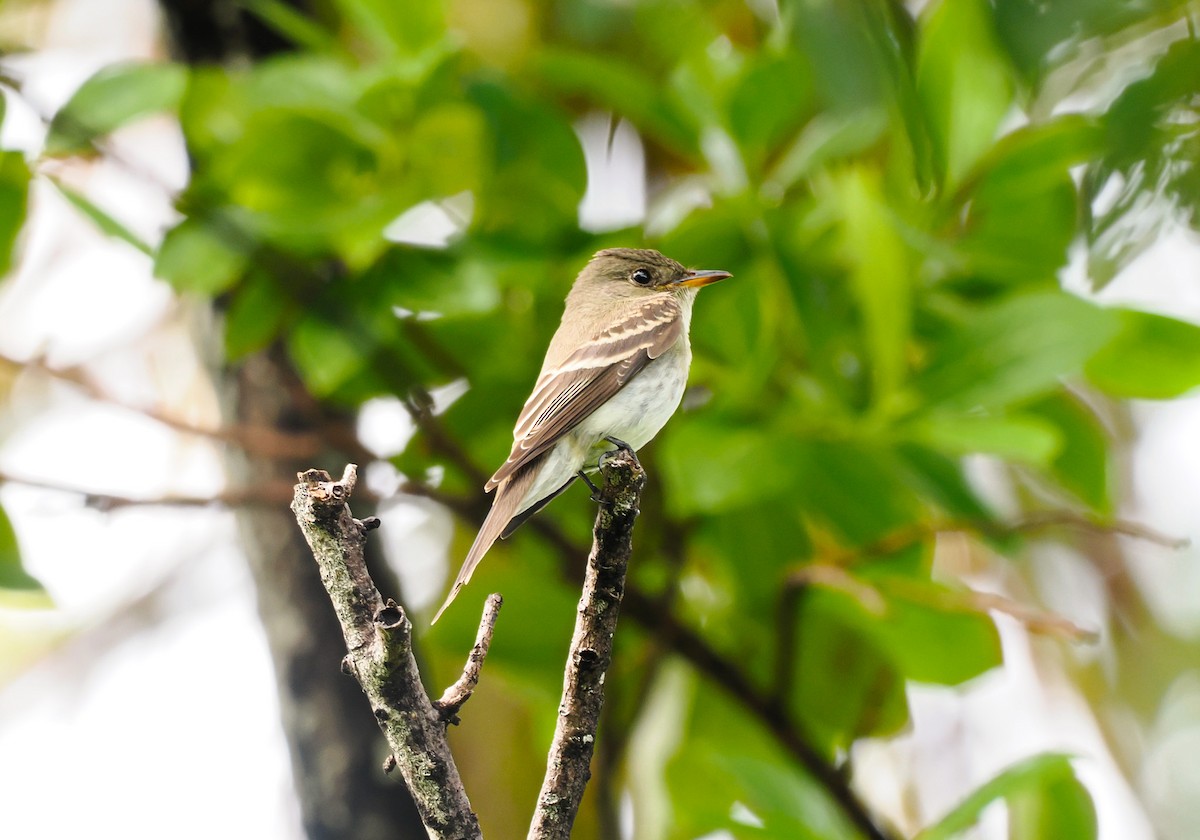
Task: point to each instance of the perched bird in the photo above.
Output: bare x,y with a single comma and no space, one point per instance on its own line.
613,375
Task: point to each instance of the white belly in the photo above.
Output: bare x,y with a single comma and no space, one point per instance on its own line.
635,414
639,410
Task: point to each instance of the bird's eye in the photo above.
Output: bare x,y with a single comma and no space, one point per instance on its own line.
641,276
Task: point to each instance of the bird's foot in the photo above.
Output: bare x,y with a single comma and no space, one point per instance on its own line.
591,486
620,444
609,454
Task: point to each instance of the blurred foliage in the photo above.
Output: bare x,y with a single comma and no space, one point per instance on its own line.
17,587
895,195
1045,800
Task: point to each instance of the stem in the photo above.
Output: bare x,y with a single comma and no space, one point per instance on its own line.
379,640
568,766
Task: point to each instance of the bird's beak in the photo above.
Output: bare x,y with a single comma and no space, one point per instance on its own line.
696,279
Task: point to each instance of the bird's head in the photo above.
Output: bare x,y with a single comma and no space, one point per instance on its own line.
633,271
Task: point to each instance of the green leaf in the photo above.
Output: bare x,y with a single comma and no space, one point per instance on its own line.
327,357
780,801
940,481
1014,437
1138,123
1061,808
1037,35
825,34
1153,358
771,101
1023,210
298,28
196,256
825,138
115,96
845,682
109,225
699,86
709,467
320,88
309,192
449,146
962,82
436,283
623,87
256,315
723,758
1022,347
928,634
337,181
212,113
855,489
1036,156
14,197
538,169
879,271
394,30
749,549
542,611
1040,773
17,587
923,630
1020,237
1150,147
1083,464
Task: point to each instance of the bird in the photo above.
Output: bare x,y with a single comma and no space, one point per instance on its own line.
614,373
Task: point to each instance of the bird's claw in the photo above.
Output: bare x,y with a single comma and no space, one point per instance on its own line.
609,454
591,486
621,445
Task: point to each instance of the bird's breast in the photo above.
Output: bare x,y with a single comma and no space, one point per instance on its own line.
637,412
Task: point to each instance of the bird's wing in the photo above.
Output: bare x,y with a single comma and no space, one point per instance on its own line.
566,394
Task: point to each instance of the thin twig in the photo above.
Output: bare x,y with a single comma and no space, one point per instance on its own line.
379,641
568,766
1120,527
419,407
256,440
270,495
460,692
901,538
1038,622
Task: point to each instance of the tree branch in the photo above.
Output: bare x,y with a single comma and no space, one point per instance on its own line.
378,638
268,495
460,692
256,440
568,765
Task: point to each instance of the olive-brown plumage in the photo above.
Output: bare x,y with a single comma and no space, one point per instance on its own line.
616,368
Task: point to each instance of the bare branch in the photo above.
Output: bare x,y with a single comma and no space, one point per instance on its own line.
873,601
460,692
257,440
901,538
269,495
568,765
378,638
1119,527
1038,622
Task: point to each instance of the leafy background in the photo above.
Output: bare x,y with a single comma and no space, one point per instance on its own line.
908,451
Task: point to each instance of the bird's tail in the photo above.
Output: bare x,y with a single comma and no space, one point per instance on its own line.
505,506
